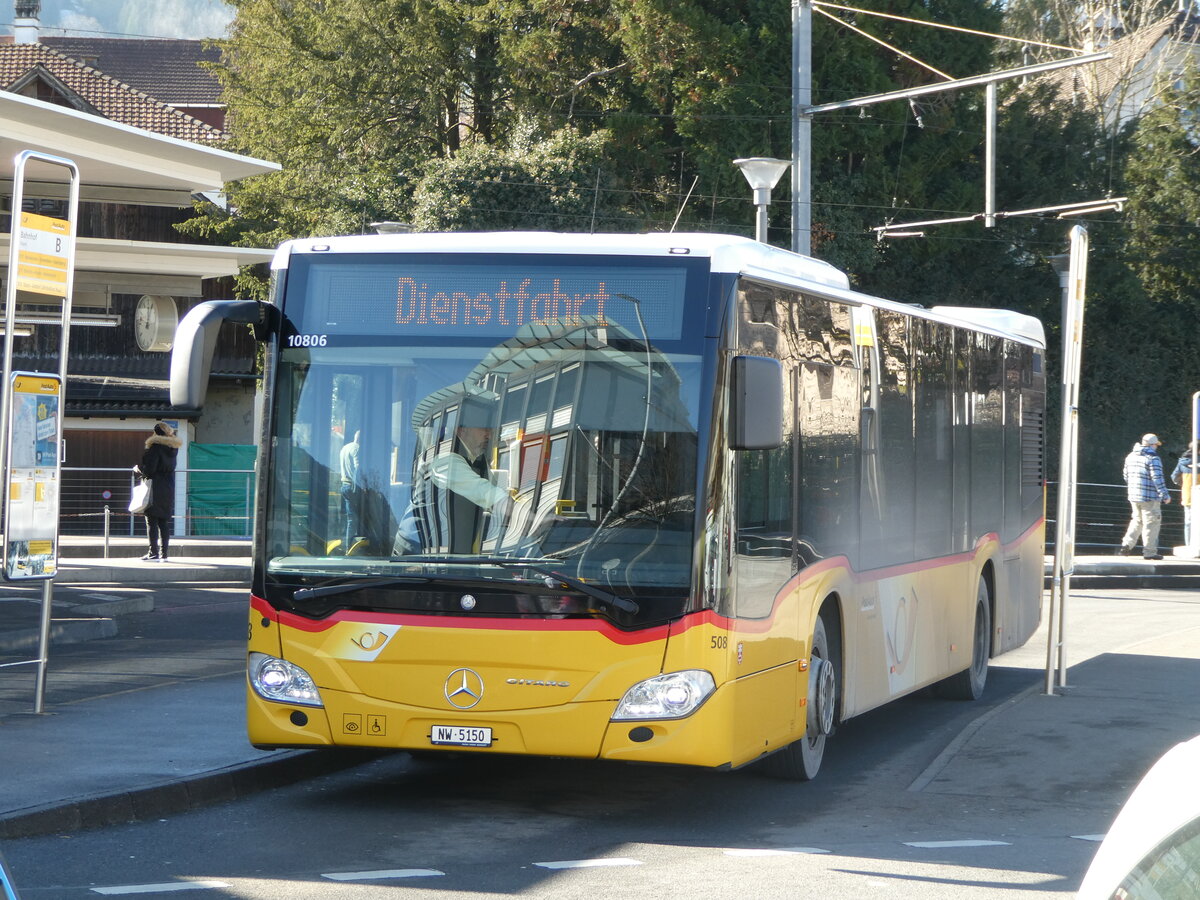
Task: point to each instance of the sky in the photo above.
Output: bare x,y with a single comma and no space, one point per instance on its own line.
191,19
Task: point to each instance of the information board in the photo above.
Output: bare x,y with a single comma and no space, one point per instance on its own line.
31,515
43,255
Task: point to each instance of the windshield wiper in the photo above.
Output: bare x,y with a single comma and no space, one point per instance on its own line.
361,584
622,603
535,565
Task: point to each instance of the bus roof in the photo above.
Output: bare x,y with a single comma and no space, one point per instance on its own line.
727,253
1012,324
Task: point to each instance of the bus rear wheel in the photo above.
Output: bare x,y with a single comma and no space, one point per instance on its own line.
801,760
969,684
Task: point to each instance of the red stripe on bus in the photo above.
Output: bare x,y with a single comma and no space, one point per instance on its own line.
600,627
757,626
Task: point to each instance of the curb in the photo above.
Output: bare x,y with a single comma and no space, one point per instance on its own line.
182,550
112,606
934,769
1130,582
172,573
62,631
180,795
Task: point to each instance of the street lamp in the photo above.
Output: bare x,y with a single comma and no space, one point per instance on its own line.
763,173
392,227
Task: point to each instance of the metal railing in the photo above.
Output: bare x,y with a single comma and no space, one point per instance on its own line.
1102,514
95,502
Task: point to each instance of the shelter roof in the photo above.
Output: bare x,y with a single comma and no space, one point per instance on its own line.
117,163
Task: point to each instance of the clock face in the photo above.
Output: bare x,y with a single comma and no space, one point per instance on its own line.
154,323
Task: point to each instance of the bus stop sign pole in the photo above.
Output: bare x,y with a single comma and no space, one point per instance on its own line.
41,261
1064,541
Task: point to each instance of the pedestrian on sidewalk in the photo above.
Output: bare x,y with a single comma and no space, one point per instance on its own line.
158,464
1146,491
1182,476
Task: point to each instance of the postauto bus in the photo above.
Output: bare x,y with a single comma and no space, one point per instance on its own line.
675,498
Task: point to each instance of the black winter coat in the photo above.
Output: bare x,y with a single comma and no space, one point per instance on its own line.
158,464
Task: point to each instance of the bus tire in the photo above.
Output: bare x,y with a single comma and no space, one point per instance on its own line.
969,683
801,760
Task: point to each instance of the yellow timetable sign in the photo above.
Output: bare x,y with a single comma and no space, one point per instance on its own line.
43,254
35,384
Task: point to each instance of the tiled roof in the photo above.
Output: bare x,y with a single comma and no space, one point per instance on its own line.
166,69
106,96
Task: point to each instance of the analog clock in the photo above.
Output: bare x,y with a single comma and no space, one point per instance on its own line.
154,322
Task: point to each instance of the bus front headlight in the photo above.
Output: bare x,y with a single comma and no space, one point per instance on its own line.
670,696
281,681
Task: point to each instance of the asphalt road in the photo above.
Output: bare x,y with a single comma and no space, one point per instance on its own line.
875,824
470,827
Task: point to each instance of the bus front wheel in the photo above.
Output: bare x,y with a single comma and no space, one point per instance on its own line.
801,760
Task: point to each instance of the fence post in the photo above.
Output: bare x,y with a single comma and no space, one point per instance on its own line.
246,530
107,527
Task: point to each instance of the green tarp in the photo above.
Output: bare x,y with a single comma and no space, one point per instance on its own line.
220,488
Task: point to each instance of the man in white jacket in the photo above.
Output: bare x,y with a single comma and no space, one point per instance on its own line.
456,489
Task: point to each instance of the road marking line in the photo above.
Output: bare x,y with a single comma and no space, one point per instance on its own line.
160,888
1088,837
778,851
589,863
937,845
380,874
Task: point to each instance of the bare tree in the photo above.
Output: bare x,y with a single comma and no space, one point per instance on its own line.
1152,42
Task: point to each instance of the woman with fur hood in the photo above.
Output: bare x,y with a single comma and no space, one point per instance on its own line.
158,464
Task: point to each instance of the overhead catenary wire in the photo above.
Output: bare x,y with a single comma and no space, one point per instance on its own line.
910,20
883,43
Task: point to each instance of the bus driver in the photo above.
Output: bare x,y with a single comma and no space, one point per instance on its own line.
454,490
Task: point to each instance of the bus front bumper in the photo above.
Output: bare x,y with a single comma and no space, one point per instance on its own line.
707,738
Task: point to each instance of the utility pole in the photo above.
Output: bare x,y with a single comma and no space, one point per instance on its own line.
801,126
803,111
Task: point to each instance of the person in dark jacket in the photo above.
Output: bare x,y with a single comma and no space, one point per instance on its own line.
1182,476
158,464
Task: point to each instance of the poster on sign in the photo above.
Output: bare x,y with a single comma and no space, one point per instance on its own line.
31,514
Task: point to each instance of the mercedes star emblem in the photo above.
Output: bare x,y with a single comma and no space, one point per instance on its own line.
464,688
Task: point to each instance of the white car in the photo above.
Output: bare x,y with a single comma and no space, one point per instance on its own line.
1152,851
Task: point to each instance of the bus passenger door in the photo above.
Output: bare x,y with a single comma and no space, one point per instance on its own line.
870,495
960,492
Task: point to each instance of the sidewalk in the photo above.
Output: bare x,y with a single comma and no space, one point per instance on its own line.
140,753
82,560
144,753
1115,572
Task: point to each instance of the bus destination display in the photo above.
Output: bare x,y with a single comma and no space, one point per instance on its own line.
488,300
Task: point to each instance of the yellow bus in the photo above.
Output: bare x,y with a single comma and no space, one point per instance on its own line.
674,498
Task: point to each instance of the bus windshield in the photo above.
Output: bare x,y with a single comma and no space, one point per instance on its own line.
504,448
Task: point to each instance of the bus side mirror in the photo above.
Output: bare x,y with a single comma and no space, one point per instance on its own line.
756,403
196,339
